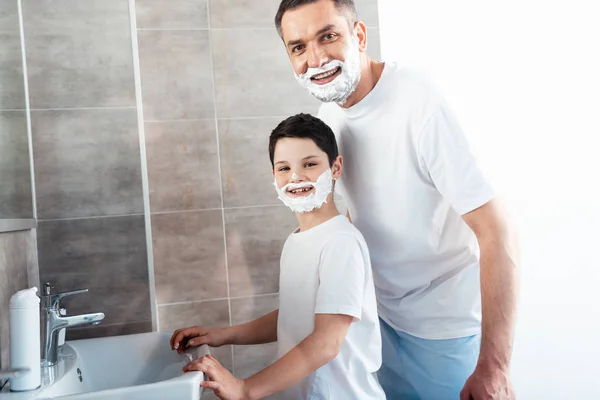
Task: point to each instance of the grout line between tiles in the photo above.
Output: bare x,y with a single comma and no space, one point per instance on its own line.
90,217
215,209
214,93
178,303
144,165
27,111
85,108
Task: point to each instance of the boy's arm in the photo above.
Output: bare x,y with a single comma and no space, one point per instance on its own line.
261,330
316,350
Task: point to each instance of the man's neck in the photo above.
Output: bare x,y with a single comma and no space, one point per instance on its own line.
317,216
370,73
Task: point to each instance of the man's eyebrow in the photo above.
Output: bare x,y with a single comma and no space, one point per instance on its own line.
320,32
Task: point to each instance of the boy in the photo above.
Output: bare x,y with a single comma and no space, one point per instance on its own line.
326,326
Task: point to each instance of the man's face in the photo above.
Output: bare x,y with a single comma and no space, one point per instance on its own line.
323,50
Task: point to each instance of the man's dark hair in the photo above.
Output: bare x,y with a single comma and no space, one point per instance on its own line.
287,5
305,126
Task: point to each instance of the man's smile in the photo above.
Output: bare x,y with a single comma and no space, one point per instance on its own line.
326,77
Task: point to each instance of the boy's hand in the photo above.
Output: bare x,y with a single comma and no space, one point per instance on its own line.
197,336
225,385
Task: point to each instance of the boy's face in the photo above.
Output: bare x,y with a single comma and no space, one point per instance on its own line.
301,160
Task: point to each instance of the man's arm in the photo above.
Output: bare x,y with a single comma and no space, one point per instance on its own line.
316,350
499,293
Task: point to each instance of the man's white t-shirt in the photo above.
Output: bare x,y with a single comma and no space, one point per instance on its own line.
326,270
408,178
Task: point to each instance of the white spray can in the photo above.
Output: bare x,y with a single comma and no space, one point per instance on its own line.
24,325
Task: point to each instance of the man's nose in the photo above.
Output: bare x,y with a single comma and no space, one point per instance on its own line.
316,56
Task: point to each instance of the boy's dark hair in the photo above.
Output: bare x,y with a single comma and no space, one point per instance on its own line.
287,5
305,126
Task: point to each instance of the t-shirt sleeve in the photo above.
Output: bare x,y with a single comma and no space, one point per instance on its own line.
444,153
342,277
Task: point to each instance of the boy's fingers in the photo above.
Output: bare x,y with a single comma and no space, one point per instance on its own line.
210,385
213,360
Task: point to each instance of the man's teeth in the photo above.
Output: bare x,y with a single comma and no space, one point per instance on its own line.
325,74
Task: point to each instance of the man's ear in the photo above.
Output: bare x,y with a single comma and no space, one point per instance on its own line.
360,30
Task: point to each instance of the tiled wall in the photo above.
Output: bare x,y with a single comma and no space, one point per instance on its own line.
15,183
215,81
18,270
91,231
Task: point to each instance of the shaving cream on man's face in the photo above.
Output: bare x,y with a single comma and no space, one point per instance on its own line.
343,85
301,204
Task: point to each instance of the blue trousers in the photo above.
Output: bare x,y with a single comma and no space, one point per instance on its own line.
421,369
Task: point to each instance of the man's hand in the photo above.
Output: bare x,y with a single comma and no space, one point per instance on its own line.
488,383
225,385
197,336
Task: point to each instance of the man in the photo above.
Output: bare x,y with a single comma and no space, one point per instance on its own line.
447,307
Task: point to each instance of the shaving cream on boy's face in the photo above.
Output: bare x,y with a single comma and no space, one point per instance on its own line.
301,204
343,85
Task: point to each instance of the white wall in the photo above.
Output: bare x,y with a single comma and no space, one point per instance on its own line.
524,79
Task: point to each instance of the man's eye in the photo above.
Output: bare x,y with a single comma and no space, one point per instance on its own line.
297,48
329,36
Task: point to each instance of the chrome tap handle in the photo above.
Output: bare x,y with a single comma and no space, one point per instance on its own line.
54,299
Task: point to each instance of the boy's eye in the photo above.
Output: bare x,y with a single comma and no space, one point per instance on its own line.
310,164
281,169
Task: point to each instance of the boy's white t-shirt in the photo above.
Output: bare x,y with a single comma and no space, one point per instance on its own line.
408,177
326,270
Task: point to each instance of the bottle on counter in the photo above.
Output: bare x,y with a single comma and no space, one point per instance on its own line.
24,310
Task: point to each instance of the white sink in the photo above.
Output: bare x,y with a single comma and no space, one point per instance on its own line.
132,367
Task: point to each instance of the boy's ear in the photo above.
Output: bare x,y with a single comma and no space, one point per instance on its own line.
337,167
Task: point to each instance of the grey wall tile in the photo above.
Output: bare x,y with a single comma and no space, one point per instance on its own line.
243,13
367,12
255,237
79,53
15,178
259,82
15,249
248,360
105,255
12,87
247,309
87,163
373,44
176,74
9,16
183,165
103,330
171,14
246,169
261,14
189,256
209,314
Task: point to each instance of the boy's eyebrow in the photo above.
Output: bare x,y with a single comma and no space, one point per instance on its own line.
304,159
320,32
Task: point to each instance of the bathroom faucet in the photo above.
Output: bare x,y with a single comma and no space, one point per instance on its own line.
53,322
